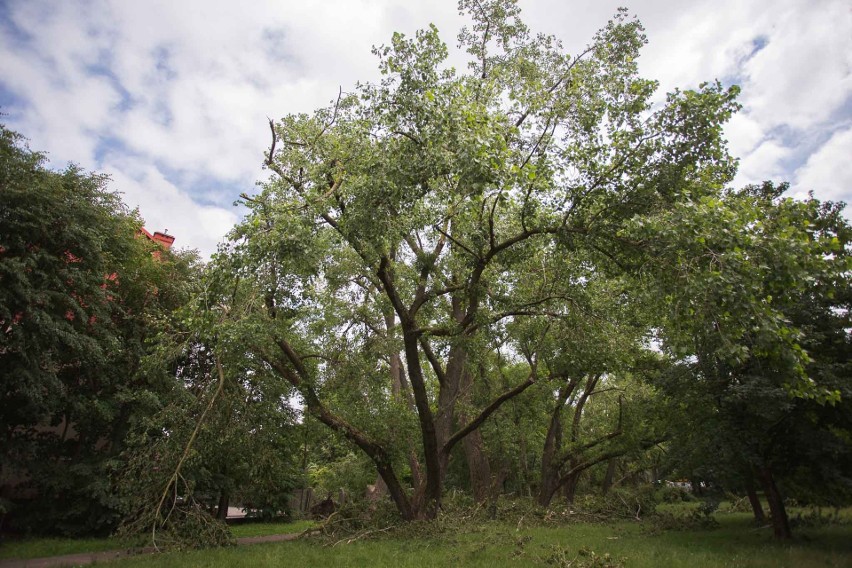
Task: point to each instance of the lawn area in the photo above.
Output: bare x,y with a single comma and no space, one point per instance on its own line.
492,545
41,547
736,542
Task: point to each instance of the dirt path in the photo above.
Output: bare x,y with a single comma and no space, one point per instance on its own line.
85,558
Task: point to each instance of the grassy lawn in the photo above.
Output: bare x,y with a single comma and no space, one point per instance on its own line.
735,543
40,547
494,544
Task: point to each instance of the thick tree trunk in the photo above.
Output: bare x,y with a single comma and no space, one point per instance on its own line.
754,500
552,444
478,466
447,397
402,391
426,506
780,522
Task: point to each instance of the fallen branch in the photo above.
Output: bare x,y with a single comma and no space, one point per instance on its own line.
352,539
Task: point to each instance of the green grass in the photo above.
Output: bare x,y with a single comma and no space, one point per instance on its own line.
42,547
39,547
493,545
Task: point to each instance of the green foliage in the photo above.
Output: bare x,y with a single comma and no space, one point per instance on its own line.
215,435
80,294
755,293
673,495
471,226
351,473
562,557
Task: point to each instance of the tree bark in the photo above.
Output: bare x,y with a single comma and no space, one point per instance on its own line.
754,500
222,509
478,465
780,522
610,473
296,376
552,445
401,390
570,488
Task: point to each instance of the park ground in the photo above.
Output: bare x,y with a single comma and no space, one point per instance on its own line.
516,543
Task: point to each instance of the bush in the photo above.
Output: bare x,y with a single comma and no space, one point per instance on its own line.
700,518
669,494
562,557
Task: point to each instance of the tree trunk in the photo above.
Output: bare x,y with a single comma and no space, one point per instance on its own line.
610,473
222,509
552,444
428,499
756,506
401,390
526,488
477,461
570,488
780,522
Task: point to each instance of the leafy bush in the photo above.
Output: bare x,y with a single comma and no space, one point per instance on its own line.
815,518
668,494
700,518
351,473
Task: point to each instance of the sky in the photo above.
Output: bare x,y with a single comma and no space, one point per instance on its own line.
171,98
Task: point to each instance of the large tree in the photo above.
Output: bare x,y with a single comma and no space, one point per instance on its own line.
80,293
396,237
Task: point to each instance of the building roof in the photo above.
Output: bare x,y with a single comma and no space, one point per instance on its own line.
163,239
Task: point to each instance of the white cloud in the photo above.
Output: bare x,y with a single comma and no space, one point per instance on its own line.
180,91
164,206
804,74
764,163
828,171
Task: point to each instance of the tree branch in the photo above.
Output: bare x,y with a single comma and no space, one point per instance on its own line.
486,412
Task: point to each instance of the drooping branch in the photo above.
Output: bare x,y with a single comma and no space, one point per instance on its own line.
176,474
614,453
374,450
583,448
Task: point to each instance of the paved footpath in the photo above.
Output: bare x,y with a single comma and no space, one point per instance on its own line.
92,557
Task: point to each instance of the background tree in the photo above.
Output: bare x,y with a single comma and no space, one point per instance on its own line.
79,296
756,293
